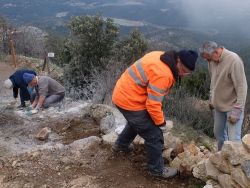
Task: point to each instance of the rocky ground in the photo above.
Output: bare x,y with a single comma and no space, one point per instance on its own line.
74,154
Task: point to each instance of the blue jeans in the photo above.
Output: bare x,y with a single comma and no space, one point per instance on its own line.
140,122
223,130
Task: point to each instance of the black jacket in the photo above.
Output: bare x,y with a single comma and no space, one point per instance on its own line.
19,83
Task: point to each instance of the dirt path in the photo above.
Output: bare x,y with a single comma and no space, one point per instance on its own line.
107,170
5,71
58,168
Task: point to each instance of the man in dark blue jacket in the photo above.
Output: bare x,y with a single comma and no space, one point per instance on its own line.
17,82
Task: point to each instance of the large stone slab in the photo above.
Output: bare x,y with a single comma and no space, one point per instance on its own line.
239,177
226,181
246,142
220,163
245,166
234,152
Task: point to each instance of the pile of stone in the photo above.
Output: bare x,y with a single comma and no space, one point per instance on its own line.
229,168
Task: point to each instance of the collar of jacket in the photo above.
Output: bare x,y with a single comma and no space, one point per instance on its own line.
169,58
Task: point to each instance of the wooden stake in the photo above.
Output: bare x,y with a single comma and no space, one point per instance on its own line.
46,64
12,49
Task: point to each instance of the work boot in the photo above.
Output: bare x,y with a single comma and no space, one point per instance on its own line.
21,106
117,148
166,173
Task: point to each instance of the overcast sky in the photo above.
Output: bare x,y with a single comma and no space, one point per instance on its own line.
213,14
217,13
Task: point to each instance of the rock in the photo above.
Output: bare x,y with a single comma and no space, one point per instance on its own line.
168,154
99,111
176,163
208,186
239,177
78,109
199,171
29,185
202,148
14,164
1,179
108,117
192,149
43,134
138,140
211,171
213,183
226,181
171,141
245,166
82,144
119,130
220,163
188,159
107,124
234,152
84,181
246,142
110,138
120,121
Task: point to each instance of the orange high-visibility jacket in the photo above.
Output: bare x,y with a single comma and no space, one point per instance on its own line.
143,86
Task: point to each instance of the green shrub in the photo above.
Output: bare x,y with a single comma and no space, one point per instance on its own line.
92,40
198,83
189,110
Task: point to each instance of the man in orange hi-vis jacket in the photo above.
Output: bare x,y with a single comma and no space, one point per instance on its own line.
138,95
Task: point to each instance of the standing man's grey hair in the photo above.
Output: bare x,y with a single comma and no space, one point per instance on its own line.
208,47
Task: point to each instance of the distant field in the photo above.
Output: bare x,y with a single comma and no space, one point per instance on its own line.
129,23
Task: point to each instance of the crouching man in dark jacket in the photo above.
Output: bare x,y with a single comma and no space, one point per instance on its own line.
17,83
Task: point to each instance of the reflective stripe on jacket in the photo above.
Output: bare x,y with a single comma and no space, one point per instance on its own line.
143,86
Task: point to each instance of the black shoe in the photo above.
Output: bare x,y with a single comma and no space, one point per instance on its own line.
21,107
117,148
166,174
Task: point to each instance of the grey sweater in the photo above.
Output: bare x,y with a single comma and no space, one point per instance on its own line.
228,86
48,86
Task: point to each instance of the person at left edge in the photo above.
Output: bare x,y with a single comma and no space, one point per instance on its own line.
17,83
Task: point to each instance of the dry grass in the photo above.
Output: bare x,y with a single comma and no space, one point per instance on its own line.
189,111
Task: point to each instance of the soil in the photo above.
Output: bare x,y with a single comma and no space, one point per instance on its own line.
76,129
50,169
110,171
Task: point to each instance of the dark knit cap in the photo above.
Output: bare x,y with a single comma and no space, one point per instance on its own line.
188,58
28,77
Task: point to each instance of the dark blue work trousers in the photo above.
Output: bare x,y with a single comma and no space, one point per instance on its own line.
140,122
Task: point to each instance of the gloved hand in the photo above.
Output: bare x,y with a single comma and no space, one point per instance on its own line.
34,111
168,125
163,128
234,115
29,108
